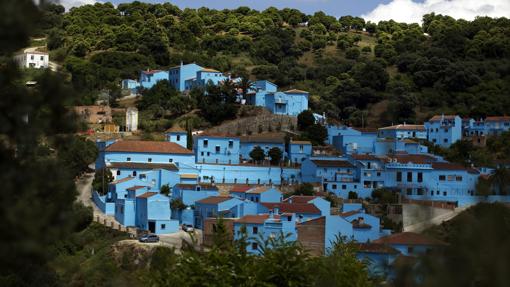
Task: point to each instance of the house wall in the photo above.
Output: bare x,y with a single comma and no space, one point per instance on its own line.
147,81
271,195
180,138
336,227
189,197
33,60
444,133
188,159
178,75
218,150
299,152
246,174
362,143
366,234
247,147
312,236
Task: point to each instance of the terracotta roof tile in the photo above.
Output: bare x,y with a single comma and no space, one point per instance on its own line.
214,199
452,166
293,207
296,91
409,238
133,188
142,165
498,119
147,195
376,248
301,142
413,158
253,219
189,176
122,180
300,198
147,147
349,213
194,186
240,188
405,127
439,117
258,189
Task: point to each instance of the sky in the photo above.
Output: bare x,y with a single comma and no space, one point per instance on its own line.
409,11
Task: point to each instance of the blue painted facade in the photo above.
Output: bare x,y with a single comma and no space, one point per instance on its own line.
191,193
228,207
150,77
259,194
403,131
178,137
299,151
291,102
131,85
489,126
178,75
216,149
246,174
444,130
248,143
153,214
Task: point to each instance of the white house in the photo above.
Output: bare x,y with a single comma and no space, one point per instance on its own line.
33,59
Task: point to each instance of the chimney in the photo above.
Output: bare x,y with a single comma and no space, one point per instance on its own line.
276,210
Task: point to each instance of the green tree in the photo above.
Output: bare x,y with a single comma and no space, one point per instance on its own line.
317,134
276,155
305,119
304,189
257,154
352,53
165,190
102,178
76,153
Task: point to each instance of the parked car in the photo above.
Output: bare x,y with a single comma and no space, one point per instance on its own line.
188,227
149,238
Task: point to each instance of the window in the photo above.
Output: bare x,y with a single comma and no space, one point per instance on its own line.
444,193
442,178
178,137
149,159
399,176
254,246
42,58
134,172
458,178
208,153
170,160
31,57
217,149
230,144
118,172
437,192
409,176
378,174
410,249
301,148
333,186
420,177
206,143
128,159
344,186
202,153
369,165
409,191
142,176
163,226
445,140
255,230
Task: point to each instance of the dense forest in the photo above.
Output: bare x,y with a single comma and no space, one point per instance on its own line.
386,71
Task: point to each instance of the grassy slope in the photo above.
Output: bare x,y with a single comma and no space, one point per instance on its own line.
86,260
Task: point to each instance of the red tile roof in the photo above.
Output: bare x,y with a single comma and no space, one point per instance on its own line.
293,207
194,186
376,248
148,147
413,158
300,142
147,195
258,189
364,157
409,238
349,213
332,163
214,199
216,135
150,72
296,91
136,187
300,198
122,180
240,188
452,166
405,127
142,165
498,119
254,219
440,117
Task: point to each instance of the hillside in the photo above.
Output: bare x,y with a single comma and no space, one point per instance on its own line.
388,72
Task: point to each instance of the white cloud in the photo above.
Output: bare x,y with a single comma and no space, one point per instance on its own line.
410,11
68,4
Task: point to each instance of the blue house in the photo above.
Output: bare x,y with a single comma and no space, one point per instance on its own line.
410,244
318,235
218,149
403,131
444,130
147,174
153,213
328,169
178,75
323,205
497,125
177,135
257,193
379,258
303,211
265,141
390,146
148,152
191,193
365,227
291,102
215,206
150,77
299,151
260,228
131,85
352,140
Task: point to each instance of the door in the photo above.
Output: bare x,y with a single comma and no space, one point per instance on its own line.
152,226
